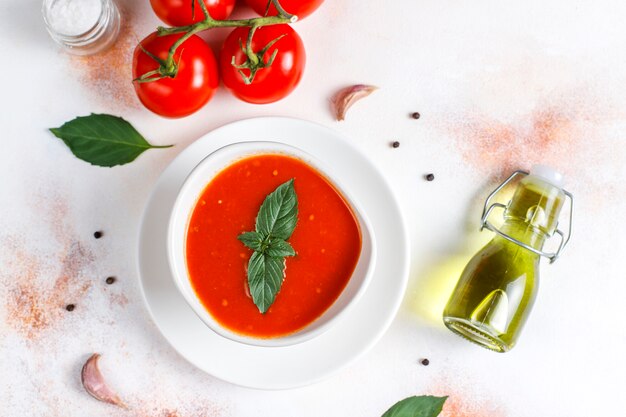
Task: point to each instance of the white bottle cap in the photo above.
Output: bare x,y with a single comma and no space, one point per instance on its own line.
548,174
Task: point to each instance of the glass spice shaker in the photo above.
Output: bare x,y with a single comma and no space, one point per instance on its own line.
82,27
497,289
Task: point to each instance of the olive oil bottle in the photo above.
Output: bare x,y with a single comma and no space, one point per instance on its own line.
496,291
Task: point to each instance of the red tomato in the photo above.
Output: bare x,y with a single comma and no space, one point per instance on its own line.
178,12
301,8
190,89
271,83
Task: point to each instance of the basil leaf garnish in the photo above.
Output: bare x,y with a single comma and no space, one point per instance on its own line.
103,139
252,240
279,212
279,247
275,223
422,406
265,277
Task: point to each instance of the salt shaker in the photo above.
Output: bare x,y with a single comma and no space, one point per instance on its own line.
82,27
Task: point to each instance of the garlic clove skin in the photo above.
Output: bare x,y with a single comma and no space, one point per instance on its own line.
346,97
94,383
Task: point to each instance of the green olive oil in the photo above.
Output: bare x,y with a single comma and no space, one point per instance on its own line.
497,289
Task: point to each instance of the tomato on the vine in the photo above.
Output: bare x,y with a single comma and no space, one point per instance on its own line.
301,8
193,85
179,12
272,82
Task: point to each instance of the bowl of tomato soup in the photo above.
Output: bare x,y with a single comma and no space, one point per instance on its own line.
332,240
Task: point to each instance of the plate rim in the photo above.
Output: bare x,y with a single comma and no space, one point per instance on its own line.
404,238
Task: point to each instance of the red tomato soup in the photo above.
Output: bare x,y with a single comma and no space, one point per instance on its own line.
327,241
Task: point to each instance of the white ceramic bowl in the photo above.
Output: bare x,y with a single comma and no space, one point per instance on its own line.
188,195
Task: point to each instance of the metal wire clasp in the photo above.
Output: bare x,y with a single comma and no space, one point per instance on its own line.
487,209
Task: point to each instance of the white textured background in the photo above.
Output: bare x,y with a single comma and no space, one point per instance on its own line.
500,85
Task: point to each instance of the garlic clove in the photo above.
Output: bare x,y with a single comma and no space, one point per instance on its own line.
94,383
346,97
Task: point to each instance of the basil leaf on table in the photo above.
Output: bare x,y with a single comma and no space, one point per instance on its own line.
275,223
265,277
278,214
103,140
422,406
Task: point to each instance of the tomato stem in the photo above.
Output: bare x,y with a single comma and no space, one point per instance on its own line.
279,8
252,57
254,60
205,12
169,68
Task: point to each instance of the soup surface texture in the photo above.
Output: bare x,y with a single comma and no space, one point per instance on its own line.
327,241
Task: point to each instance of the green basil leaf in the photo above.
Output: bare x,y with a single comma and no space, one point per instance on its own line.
103,139
252,240
278,248
278,214
275,223
265,277
423,406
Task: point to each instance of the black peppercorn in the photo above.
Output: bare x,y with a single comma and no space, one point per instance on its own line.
70,307
430,177
98,234
425,362
415,115
395,144
110,280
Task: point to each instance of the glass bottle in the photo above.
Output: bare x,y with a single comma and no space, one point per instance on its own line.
497,289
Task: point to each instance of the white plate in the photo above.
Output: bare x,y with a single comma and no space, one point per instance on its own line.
315,359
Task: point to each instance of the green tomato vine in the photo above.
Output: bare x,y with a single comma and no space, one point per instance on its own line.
168,67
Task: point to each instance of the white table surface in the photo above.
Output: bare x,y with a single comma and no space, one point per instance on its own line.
499,85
